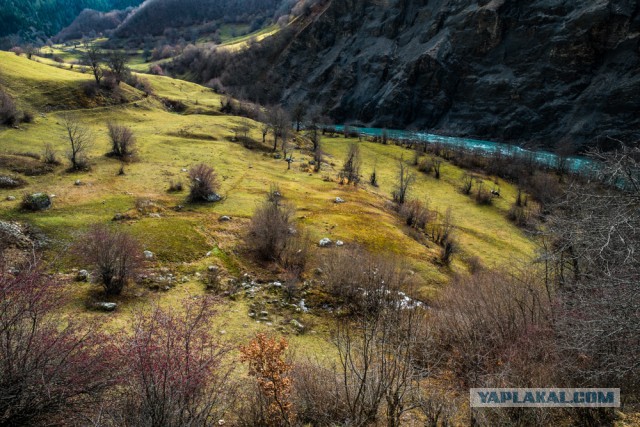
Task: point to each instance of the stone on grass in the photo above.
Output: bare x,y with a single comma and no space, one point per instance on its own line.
339,200
225,218
106,306
326,242
339,243
82,276
37,202
148,255
11,198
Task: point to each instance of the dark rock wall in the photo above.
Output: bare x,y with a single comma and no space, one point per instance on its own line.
535,71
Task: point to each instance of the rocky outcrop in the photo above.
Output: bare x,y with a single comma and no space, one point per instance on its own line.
535,71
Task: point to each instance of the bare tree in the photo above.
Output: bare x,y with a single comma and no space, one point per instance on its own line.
298,114
115,256
123,141
350,173
93,59
117,62
80,141
405,180
270,230
177,374
204,184
279,122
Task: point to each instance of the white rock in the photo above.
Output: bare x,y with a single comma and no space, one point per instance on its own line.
148,255
11,198
339,200
339,243
325,242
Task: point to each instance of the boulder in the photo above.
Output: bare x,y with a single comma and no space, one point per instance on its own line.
213,198
148,255
106,306
299,327
11,198
82,276
326,242
339,200
339,243
225,218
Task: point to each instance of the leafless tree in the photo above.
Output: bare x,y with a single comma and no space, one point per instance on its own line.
117,62
379,351
405,180
123,141
278,120
93,58
271,228
80,141
591,258
204,184
177,374
115,256
350,173
298,114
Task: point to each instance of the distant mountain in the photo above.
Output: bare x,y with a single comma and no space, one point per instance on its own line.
91,23
48,17
535,71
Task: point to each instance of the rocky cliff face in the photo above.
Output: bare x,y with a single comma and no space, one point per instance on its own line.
535,71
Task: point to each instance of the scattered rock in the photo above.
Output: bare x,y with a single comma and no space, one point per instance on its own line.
213,198
223,332
106,306
318,271
299,327
339,243
339,200
185,170
212,268
225,218
11,198
13,234
326,242
148,255
264,314
155,215
118,217
82,276
78,183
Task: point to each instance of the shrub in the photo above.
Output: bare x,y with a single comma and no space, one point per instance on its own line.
266,359
425,165
466,184
36,202
350,173
114,256
483,196
175,187
416,214
9,114
123,141
9,182
271,230
176,372
51,370
204,184
360,281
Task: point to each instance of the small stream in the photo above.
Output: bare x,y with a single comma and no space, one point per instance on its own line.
575,163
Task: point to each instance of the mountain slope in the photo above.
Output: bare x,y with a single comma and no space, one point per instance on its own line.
49,16
532,70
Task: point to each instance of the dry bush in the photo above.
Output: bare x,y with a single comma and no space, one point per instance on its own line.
404,182
350,173
318,394
176,373
50,156
425,165
175,187
466,184
272,230
360,281
416,214
9,114
114,256
494,328
441,233
204,184
123,141
483,196
52,373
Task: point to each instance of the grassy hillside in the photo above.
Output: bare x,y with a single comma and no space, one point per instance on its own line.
186,240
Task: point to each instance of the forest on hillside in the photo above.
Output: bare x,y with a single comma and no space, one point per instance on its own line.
49,16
